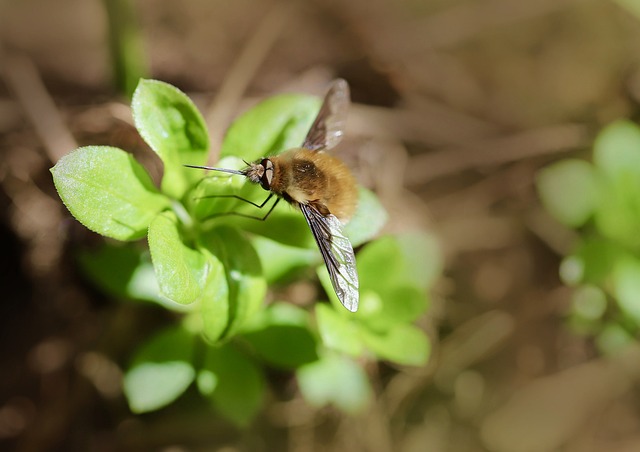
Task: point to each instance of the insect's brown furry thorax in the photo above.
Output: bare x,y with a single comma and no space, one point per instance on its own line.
316,178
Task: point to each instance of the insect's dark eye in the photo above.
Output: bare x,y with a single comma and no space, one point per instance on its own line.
267,175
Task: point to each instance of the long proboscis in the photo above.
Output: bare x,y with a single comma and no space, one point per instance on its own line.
224,170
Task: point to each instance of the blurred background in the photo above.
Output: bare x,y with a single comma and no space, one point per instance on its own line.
457,106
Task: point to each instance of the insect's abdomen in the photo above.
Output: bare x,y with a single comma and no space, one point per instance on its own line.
316,178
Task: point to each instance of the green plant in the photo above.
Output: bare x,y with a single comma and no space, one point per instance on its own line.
601,200
216,271
126,45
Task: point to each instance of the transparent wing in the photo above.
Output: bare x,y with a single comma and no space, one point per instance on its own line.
337,253
328,128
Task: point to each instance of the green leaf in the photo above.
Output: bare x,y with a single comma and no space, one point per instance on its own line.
129,59
214,301
617,156
408,259
368,219
335,380
402,344
211,194
613,339
274,125
181,270
279,313
106,190
124,271
626,287
394,272
618,218
233,382
111,267
616,149
338,332
591,262
247,286
396,304
281,336
380,310
279,261
569,191
285,225
161,371
174,128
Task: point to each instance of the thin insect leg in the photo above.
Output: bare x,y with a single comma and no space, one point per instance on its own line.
259,206
215,215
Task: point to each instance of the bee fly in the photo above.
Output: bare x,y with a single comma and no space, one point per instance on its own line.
320,185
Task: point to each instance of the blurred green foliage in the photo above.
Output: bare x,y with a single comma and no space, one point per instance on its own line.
212,269
126,45
601,200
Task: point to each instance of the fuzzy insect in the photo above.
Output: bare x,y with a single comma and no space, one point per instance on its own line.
320,185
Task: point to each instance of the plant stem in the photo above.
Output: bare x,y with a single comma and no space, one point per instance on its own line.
126,45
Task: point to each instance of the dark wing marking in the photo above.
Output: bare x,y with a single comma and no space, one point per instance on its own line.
337,253
328,128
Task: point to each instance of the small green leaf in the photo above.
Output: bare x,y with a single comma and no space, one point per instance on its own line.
616,154
161,371
279,261
409,259
395,304
402,344
181,270
211,195
395,291
111,267
214,301
338,332
569,191
616,149
143,285
281,336
278,313
247,286
368,219
274,125
613,339
238,389
124,271
626,287
285,225
108,191
284,346
618,216
174,128
335,380
591,262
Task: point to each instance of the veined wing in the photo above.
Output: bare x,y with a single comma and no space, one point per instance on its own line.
337,253
328,128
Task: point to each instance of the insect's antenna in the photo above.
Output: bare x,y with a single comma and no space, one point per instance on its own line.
224,170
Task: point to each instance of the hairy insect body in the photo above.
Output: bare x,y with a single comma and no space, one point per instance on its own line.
302,176
320,185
